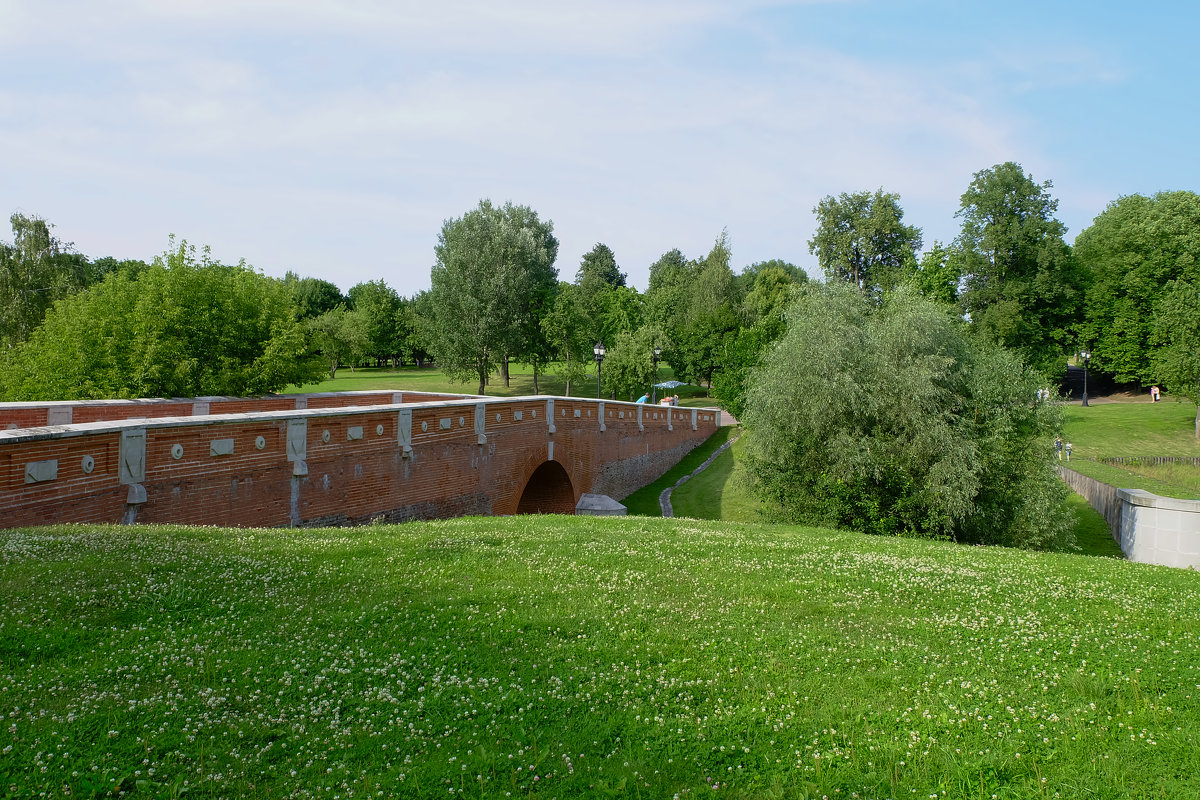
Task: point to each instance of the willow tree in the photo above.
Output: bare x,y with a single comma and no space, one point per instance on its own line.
893,419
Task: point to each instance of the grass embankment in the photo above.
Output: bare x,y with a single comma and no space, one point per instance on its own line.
644,502
722,492
1109,430
581,657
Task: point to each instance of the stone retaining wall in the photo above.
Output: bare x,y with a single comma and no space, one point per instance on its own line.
1149,528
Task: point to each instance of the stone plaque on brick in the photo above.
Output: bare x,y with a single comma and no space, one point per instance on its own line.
354,432
297,439
220,447
480,421
59,415
404,431
131,466
41,471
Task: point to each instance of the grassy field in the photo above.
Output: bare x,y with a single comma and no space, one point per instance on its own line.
430,379
1106,430
551,657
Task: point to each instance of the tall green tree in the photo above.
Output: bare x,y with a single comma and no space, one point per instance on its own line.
1177,334
339,336
36,270
763,316
1021,286
1133,251
891,419
597,269
861,239
706,323
936,274
185,327
313,296
379,305
566,330
666,292
493,279
629,363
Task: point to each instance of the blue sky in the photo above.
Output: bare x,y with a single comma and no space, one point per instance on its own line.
334,138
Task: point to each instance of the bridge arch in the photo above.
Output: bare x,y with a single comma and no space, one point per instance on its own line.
548,491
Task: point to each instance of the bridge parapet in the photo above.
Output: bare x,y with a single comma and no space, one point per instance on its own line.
336,459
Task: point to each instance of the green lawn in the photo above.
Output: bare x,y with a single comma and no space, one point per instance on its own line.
554,657
1132,429
1106,430
431,379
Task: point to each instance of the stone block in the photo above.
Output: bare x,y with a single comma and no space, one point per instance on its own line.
41,471
599,505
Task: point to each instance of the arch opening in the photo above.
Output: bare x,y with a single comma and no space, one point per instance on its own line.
548,491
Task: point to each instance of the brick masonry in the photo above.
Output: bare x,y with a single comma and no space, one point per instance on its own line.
334,458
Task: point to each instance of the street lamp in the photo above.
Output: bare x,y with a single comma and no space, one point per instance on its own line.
1086,356
654,394
598,351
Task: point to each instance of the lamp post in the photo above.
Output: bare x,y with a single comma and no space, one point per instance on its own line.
653,393
1086,356
598,351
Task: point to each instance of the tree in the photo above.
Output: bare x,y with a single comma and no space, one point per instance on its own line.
36,270
706,322
664,298
418,328
860,239
892,419
1177,334
565,328
313,296
937,274
379,306
629,363
598,269
185,327
494,273
1022,287
340,335
1133,251
764,308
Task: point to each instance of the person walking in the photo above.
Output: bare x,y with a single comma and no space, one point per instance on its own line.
1058,447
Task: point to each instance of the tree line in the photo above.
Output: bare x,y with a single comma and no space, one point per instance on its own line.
1125,292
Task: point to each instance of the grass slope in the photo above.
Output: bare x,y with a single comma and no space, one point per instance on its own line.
1109,430
576,657
644,502
721,491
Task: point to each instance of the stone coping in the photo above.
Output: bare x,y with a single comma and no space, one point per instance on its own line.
103,426
1140,497
217,398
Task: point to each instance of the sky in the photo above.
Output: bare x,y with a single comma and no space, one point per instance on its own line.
334,139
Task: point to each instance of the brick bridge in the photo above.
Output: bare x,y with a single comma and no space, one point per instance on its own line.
332,458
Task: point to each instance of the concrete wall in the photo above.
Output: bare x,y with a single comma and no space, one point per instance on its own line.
339,459
1149,528
1160,530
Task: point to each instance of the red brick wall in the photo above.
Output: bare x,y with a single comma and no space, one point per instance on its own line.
356,473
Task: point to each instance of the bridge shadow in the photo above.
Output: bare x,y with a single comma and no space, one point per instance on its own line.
548,491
